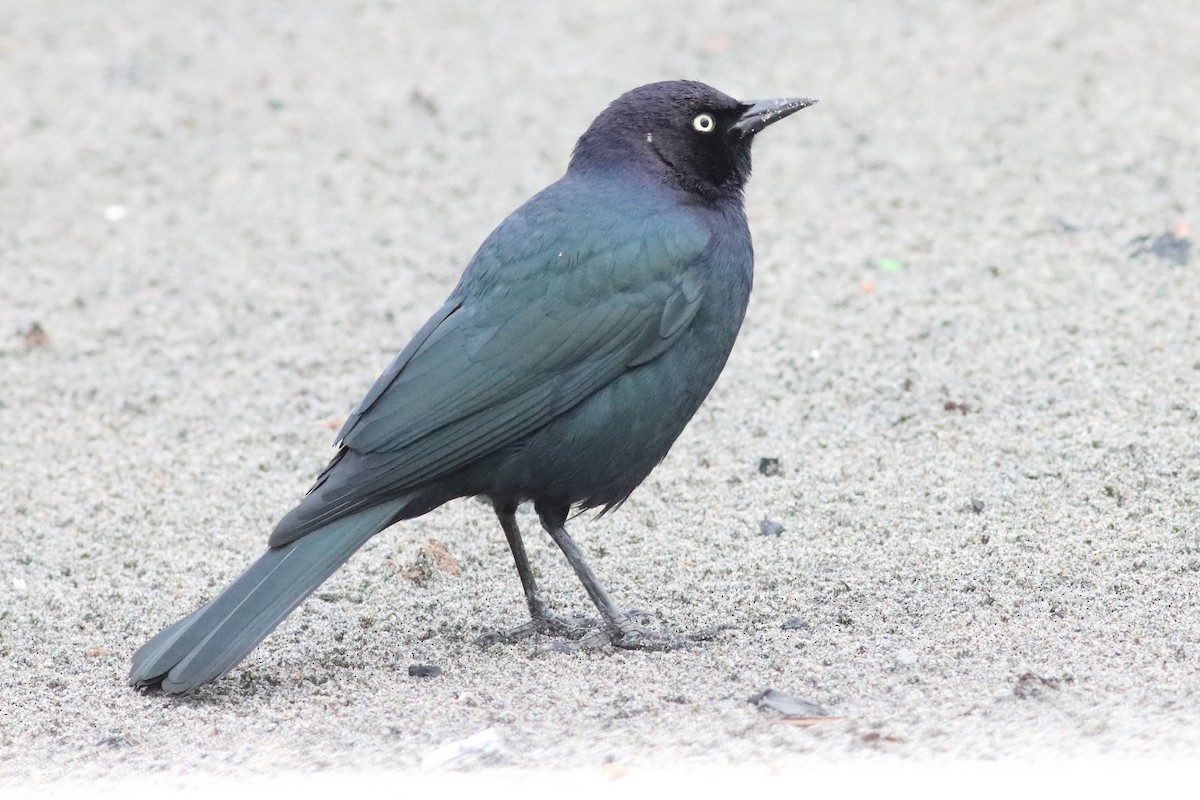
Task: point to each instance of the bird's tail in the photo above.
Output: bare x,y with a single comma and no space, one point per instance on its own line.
212,640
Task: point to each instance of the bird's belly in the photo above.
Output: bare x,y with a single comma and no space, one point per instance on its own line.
598,452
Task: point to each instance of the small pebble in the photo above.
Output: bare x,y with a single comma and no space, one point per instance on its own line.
486,742
769,527
423,671
905,658
769,467
786,704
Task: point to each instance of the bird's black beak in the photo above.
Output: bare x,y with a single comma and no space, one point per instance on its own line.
759,114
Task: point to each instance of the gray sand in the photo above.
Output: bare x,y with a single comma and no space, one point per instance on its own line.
225,219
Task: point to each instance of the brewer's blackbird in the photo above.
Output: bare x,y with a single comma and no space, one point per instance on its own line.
582,337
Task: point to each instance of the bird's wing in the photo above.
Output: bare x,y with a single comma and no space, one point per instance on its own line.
531,332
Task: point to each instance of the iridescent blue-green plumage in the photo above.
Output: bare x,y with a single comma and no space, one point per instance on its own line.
582,337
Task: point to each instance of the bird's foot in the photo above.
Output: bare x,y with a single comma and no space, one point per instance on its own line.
629,632
546,623
633,637
626,631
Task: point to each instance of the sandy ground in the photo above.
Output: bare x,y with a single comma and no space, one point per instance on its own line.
218,221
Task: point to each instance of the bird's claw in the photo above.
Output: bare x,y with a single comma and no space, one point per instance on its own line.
633,637
627,631
545,624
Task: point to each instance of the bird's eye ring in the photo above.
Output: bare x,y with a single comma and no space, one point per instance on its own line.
704,123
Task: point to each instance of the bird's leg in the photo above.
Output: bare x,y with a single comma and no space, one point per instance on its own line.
619,628
542,620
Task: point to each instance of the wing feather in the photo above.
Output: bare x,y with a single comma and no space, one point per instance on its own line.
513,347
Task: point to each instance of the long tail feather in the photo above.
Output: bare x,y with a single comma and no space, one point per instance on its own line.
212,640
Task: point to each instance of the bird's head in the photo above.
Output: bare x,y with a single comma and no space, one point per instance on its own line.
683,132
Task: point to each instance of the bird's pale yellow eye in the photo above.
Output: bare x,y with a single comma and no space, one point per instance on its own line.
704,123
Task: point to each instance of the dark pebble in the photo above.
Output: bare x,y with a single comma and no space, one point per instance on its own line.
423,671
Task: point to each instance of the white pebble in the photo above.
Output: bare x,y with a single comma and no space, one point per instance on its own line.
486,741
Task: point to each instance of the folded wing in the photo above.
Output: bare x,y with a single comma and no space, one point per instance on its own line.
480,375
